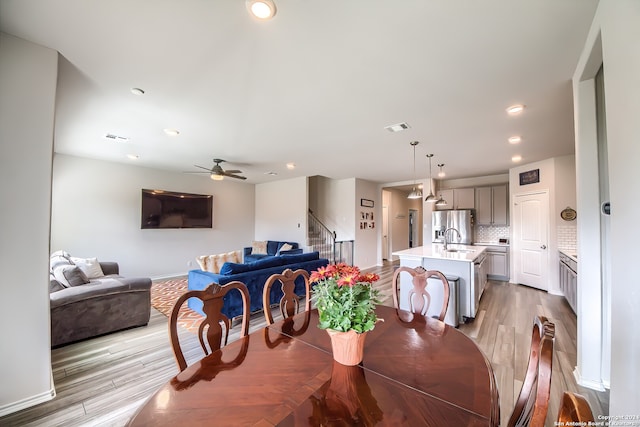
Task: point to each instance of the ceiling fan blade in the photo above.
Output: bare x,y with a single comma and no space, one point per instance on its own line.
232,171
195,172
202,167
230,175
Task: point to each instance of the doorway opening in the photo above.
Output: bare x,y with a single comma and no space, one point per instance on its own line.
413,228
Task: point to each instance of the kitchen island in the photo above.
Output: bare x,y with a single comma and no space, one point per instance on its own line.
464,261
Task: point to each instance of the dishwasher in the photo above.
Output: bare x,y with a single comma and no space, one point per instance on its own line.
479,282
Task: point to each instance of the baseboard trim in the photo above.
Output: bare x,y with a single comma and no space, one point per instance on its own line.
594,385
28,402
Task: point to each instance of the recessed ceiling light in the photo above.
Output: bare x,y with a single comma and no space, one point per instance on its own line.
172,132
137,91
516,158
515,139
291,166
133,156
398,127
262,9
515,109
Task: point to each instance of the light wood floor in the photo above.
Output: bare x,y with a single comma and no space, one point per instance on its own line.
102,381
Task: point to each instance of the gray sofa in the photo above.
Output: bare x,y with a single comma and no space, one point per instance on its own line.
105,304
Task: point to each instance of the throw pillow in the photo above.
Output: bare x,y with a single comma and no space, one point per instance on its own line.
234,256
59,258
284,247
203,262
75,276
259,248
215,262
70,275
89,266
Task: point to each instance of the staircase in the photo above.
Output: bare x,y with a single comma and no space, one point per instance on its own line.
323,240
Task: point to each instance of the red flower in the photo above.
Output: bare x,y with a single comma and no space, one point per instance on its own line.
321,273
348,280
369,278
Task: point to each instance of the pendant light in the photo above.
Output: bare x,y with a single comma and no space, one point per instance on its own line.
430,197
441,174
441,201
415,194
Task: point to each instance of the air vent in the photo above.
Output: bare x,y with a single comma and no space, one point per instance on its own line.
399,127
116,137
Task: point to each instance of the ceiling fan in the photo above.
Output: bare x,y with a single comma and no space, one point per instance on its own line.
218,174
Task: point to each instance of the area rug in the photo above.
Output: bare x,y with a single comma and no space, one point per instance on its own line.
165,293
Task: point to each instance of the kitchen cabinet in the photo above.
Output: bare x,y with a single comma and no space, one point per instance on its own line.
458,198
568,280
498,262
491,205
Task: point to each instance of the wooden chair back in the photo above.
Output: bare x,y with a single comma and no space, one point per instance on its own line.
574,408
289,303
419,298
210,332
533,402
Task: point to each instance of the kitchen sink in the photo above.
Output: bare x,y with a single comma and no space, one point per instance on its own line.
464,251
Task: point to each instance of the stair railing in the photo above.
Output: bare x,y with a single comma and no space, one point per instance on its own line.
323,240
320,238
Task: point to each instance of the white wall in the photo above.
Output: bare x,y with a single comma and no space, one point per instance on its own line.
27,97
281,210
96,213
367,249
617,25
333,203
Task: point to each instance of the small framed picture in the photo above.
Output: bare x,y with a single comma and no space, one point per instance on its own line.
530,177
366,203
371,224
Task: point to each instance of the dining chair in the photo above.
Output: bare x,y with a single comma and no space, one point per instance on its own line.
533,402
419,298
210,332
290,302
574,408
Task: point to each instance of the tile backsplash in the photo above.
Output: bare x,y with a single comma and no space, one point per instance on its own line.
491,234
567,236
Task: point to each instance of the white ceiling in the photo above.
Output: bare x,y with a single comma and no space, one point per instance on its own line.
314,86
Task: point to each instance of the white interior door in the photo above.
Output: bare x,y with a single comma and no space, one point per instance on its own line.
531,236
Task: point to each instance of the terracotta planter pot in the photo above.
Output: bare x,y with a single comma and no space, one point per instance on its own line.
348,347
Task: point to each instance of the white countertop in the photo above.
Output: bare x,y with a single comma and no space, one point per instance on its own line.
491,244
571,253
436,251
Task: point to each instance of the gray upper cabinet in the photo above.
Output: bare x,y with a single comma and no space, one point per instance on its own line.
459,198
491,205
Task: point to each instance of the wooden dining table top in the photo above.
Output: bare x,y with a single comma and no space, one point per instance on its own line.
416,371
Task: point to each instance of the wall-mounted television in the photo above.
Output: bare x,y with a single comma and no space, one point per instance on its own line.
168,209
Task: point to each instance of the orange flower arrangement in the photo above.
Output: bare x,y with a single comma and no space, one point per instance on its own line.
345,298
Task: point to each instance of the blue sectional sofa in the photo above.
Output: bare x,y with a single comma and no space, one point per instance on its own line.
273,249
254,275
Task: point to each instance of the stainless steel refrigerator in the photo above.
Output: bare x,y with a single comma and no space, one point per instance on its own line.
461,220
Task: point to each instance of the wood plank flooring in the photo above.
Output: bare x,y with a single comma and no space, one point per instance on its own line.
102,381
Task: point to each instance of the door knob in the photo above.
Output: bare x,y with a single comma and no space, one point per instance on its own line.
543,247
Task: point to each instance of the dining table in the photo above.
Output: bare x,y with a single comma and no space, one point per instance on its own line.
416,370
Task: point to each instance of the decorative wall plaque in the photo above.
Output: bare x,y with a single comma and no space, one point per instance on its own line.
530,177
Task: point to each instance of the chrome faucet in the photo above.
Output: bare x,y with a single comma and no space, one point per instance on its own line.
446,242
